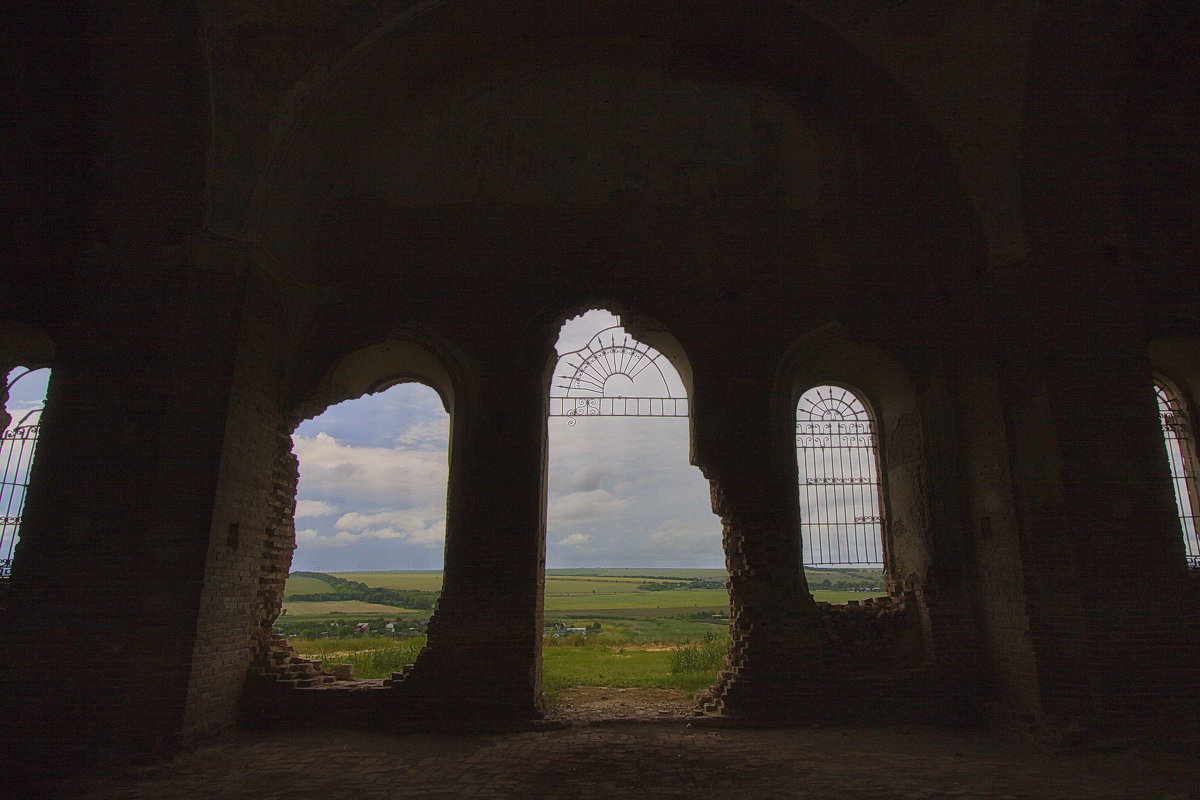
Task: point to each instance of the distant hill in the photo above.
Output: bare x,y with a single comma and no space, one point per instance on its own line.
641,572
311,584
322,587
817,577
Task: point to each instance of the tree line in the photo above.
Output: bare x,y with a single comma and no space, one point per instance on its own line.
344,589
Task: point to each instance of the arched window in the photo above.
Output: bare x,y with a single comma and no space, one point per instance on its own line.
24,397
1180,440
837,455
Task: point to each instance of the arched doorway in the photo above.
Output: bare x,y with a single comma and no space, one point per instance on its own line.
635,602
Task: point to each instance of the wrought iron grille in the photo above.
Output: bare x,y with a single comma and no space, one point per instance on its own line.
17,447
1180,441
16,454
614,375
837,455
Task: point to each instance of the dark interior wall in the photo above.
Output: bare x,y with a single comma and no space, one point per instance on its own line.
469,209
249,537
1160,166
1103,533
993,579
108,573
106,180
740,179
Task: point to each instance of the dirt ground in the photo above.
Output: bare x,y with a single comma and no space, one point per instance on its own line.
593,703
613,744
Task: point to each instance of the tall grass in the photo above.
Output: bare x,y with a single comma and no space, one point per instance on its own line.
702,656
371,658
320,648
607,659
575,661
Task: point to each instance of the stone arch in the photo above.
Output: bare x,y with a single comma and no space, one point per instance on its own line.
371,368
646,330
365,199
401,357
1177,358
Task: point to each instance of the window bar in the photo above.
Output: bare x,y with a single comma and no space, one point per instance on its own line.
1181,456
838,471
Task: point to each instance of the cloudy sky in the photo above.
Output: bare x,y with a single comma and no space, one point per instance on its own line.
621,493
29,392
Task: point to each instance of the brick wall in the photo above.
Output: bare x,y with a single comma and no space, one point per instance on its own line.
250,537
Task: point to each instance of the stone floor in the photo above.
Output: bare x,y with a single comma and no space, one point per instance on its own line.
647,760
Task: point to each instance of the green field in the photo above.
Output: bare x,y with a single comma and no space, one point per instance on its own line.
315,608
675,600
842,597
581,584
641,572
564,664
432,582
622,631
570,582
664,638
636,613
371,658
422,581
598,592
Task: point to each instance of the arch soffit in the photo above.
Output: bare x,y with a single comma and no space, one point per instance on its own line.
647,330
22,345
371,368
773,47
1177,359
650,331
826,356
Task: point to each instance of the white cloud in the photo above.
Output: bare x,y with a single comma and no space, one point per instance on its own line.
587,478
626,484
586,506
422,526
310,538
313,508
381,460
428,435
577,331
620,490
372,476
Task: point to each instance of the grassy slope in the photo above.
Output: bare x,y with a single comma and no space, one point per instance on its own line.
598,591
841,597
307,609
642,572
675,599
645,630
432,582
423,581
564,666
